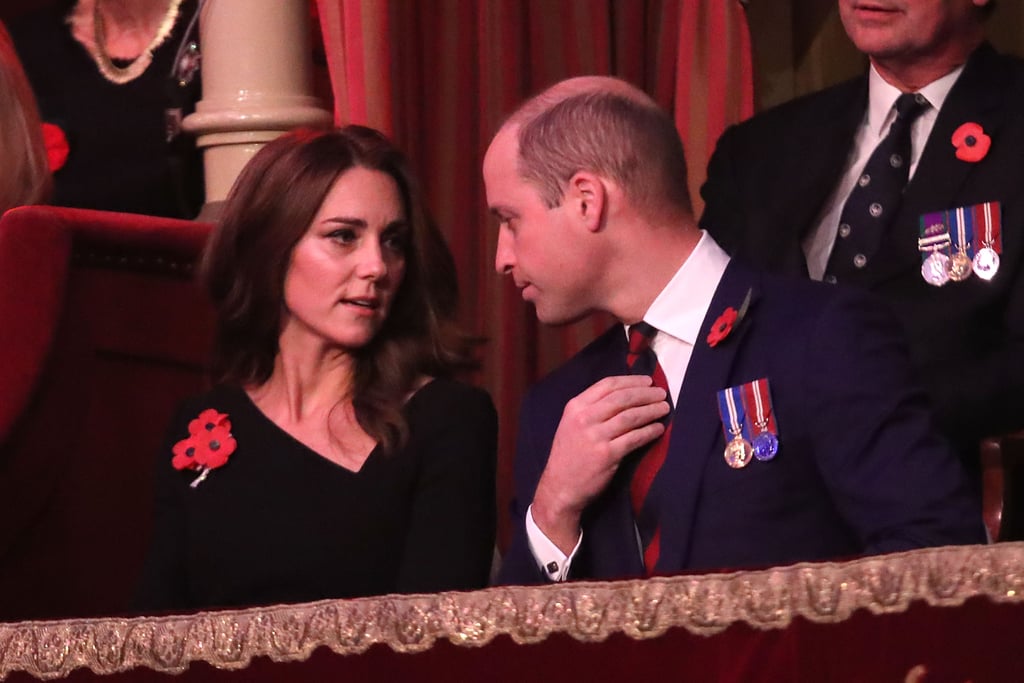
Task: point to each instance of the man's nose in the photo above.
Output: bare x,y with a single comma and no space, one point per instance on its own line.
503,255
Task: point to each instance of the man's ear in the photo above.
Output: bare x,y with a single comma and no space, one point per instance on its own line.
587,198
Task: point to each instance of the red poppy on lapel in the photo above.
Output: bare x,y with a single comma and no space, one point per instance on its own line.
728,321
722,327
971,142
208,445
57,147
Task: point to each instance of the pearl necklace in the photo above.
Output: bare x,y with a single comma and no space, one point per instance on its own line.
121,75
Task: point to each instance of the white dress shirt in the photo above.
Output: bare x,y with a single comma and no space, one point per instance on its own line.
677,313
878,118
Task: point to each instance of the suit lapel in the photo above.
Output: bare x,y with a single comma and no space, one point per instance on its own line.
824,145
696,421
976,96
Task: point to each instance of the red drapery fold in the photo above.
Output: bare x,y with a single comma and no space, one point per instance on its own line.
356,39
439,76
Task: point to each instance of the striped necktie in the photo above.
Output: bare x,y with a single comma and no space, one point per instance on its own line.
641,360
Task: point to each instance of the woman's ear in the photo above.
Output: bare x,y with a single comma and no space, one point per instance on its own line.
587,197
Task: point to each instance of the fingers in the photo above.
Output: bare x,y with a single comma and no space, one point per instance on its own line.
610,385
635,438
647,408
609,420
617,405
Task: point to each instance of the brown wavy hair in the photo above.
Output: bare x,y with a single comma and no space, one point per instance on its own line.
269,208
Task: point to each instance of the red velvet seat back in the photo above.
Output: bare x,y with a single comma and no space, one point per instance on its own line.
102,331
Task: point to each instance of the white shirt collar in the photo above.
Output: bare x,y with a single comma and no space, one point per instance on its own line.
882,96
679,310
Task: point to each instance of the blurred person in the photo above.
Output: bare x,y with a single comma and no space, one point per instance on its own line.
336,457
819,187
117,77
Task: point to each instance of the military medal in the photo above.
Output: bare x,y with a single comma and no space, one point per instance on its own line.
738,451
757,399
935,269
960,263
986,263
765,446
960,266
933,244
986,259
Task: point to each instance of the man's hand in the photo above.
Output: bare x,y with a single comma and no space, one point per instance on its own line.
598,429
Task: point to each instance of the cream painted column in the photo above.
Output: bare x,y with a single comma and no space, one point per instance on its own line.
257,83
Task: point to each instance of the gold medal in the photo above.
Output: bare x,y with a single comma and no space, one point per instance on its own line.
738,453
960,267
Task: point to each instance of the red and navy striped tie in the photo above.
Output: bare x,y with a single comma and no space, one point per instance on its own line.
642,361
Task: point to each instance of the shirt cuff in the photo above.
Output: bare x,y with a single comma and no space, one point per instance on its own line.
552,561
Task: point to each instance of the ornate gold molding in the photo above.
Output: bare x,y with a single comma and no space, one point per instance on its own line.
588,611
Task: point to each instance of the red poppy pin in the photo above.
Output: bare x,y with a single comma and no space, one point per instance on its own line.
971,142
208,446
723,326
57,147
728,321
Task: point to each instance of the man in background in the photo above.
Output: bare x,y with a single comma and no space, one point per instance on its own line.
905,182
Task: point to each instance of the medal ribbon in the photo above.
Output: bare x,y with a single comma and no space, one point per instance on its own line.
990,217
934,234
964,222
730,408
758,400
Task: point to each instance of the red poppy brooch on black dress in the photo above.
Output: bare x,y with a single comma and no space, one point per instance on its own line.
208,446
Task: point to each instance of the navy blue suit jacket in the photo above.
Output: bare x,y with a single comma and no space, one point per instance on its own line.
770,177
859,467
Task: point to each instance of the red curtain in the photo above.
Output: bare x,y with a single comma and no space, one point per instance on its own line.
440,75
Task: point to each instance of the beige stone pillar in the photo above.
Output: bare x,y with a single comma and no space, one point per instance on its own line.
257,83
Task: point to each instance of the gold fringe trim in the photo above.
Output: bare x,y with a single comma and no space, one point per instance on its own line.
591,611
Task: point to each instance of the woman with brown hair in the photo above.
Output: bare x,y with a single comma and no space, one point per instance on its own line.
336,457
25,178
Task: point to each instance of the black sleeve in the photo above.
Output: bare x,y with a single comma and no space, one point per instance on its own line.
896,482
723,206
451,537
519,566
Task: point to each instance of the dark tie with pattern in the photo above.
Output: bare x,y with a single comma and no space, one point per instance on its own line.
876,197
642,361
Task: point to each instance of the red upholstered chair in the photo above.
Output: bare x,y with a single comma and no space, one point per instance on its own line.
102,332
1002,462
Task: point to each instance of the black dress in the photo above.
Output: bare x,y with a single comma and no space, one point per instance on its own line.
279,523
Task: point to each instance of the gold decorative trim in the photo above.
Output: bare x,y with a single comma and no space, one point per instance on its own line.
587,611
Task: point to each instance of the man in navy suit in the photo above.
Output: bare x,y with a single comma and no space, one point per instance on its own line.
778,183
588,181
